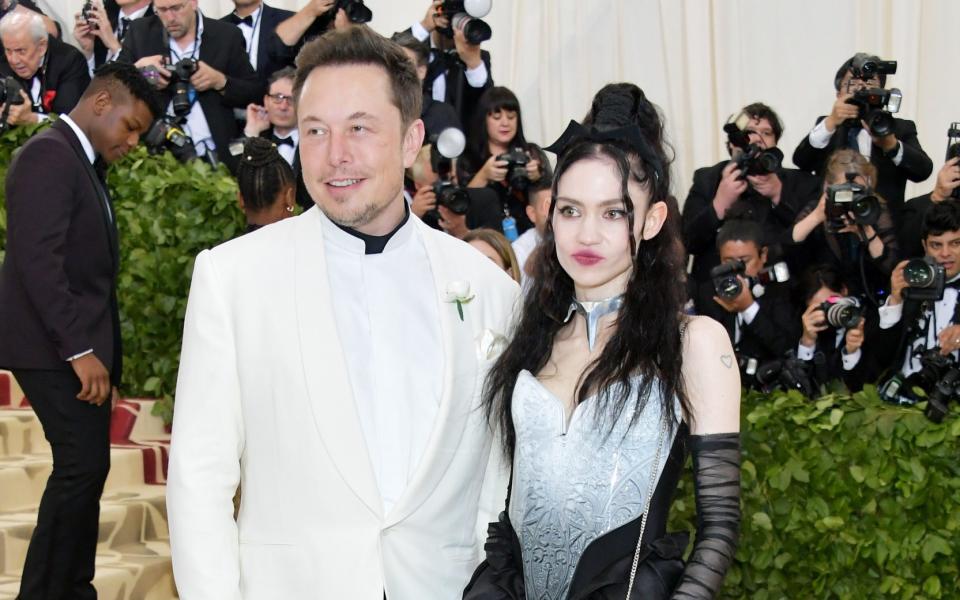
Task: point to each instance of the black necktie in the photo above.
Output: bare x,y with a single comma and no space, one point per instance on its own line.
247,20
124,25
279,141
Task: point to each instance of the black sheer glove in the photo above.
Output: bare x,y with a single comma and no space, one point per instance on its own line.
716,467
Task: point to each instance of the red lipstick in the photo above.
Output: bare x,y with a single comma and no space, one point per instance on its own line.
587,258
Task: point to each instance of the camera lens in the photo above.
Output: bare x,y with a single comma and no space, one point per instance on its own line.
728,287
918,273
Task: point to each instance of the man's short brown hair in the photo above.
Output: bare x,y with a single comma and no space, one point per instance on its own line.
360,45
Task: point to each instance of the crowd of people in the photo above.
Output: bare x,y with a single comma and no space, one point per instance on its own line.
794,247
817,274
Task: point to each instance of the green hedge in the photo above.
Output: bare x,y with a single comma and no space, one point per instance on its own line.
167,212
843,497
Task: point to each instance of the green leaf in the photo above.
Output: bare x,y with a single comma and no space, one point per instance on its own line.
835,416
857,473
932,586
933,545
761,520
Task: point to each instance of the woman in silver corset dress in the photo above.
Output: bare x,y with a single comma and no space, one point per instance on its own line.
606,386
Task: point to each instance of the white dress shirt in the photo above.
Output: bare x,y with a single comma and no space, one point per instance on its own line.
849,361
890,315
388,317
476,77
820,137
285,150
251,35
196,127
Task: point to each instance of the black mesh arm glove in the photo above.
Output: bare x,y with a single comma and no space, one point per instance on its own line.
716,468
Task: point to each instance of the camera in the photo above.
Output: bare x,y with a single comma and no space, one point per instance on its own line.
953,150
468,14
86,12
356,10
876,106
867,66
181,72
925,279
851,198
517,160
445,147
752,159
9,95
789,373
166,134
842,312
938,379
726,280
777,273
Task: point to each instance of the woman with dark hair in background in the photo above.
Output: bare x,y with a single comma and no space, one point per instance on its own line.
606,384
497,131
266,186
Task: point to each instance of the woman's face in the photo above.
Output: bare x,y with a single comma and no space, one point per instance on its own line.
590,226
502,126
488,251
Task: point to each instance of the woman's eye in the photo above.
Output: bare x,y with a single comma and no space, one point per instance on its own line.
616,213
568,211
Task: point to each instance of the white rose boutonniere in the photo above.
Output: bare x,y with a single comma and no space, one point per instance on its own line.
458,292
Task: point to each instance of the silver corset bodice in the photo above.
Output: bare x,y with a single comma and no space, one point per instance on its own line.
574,482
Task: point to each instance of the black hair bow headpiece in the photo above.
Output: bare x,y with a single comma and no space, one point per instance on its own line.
630,135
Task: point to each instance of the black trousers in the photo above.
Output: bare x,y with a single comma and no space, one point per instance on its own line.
60,558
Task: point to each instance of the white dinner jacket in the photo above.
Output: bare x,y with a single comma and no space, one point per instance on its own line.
264,399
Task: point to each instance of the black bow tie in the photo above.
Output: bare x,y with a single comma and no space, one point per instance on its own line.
279,141
247,20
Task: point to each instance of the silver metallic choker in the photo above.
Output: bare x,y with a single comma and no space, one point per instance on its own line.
592,312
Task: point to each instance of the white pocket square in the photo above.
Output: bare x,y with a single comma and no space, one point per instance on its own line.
490,344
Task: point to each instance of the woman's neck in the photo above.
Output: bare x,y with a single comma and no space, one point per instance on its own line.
496,148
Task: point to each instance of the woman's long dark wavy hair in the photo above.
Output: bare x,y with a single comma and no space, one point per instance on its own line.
646,342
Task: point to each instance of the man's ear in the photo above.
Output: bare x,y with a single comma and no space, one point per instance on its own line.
412,141
102,102
763,255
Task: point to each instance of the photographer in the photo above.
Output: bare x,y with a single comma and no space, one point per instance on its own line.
916,318
258,23
314,19
49,75
915,209
201,70
897,155
758,316
459,71
436,115
498,157
832,350
864,248
100,27
772,198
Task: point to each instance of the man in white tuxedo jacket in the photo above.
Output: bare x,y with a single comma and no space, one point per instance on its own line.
332,363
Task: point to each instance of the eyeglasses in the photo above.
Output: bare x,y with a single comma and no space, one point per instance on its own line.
176,8
280,98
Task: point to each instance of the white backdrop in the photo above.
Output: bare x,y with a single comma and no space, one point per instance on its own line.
701,60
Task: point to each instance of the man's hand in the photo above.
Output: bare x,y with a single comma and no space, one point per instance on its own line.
319,7
854,337
841,111
739,304
424,201
730,188
885,142
83,34
100,26
533,168
814,321
768,186
208,78
258,120
452,223
494,170
948,178
21,114
431,20
949,339
897,284
157,62
469,53
94,379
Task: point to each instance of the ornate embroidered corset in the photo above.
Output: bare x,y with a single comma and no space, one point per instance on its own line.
574,482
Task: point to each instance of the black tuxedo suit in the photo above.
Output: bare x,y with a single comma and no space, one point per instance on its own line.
57,300
271,53
462,96
223,48
827,364
700,220
113,13
63,77
891,179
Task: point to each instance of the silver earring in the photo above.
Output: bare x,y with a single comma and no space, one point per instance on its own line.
289,209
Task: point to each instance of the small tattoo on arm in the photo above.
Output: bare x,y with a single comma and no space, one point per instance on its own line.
727,360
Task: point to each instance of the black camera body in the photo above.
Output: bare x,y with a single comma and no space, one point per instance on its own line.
444,147
925,279
876,107
953,150
842,312
851,198
475,30
789,373
180,74
752,159
945,391
517,160
867,66
356,11
166,134
10,91
726,278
